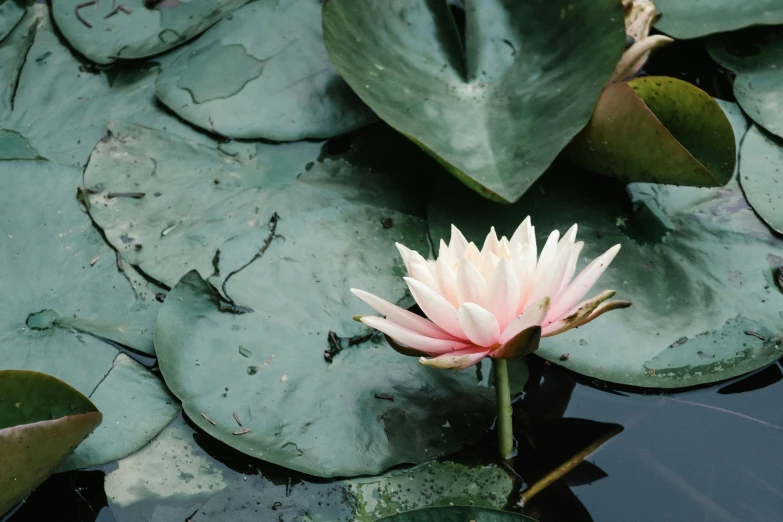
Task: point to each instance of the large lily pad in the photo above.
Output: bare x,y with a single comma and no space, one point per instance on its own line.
42,420
103,33
695,18
263,72
13,53
66,295
659,130
761,176
458,513
498,113
275,269
696,263
755,55
62,107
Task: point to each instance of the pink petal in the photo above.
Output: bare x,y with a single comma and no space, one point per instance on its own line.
402,317
456,361
549,277
447,278
488,269
575,317
473,255
405,254
582,284
548,254
479,325
571,267
421,270
458,244
436,307
533,315
522,234
470,284
448,256
525,269
503,296
412,339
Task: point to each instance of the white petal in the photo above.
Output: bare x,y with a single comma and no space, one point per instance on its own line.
521,234
445,253
548,278
412,339
470,284
447,278
574,317
525,268
457,360
571,267
402,317
473,255
491,242
582,284
458,244
488,266
548,254
503,296
479,325
533,315
503,249
405,254
421,270
436,307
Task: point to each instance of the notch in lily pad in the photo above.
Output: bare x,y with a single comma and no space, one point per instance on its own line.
659,130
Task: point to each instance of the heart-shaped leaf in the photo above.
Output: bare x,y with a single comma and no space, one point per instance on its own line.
497,111
761,176
263,72
755,56
695,18
42,420
660,130
105,32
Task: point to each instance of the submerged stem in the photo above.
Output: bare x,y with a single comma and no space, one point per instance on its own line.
503,395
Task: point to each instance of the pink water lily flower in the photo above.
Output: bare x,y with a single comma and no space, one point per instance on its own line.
480,303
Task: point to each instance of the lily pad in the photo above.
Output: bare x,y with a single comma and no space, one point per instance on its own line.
696,263
11,12
67,296
13,52
103,32
132,399
263,72
761,176
755,56
496,113
15,146
657,129
458,513
62,107
42,420
694,18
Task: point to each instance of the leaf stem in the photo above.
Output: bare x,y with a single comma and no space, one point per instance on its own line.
503,399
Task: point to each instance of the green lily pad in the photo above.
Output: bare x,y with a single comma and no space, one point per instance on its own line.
458,514
42,420
694,18
168,479
263,72
657,129
761,176
755,55
62,107
273,270
15,146
696,263
128,392
13,52
103,33
11,12
497,114
68,297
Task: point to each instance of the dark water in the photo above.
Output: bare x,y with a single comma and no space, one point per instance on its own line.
705,455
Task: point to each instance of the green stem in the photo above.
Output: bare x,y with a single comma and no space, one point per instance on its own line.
503,394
